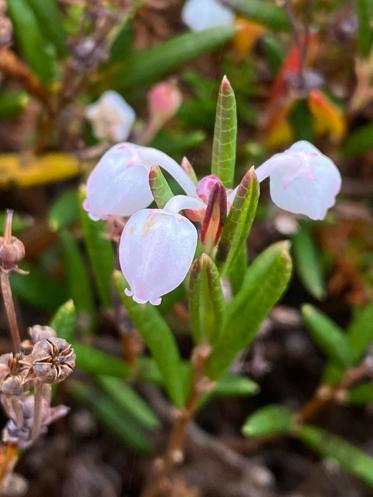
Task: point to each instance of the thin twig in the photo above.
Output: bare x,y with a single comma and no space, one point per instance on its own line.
38,399
175,446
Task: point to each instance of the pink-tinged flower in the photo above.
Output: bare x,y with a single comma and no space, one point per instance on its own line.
302,180
164,99
119,184
111,117
204,14
156,251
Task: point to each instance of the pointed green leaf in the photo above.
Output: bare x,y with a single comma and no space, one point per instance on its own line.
360,333
239,221
97,362
328,336
307,262
333,373
160,341
130,401
361,394
225,135
358,141
100,252
365,32
238,268
206,301
235,385
269,420
79,285
162,193
34,48
64,321
112,416
265,281
12,103
327,445
263,11
64,210
154,62
50,21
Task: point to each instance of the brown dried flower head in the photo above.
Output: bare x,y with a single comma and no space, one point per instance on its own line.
11,253
53,360
39,332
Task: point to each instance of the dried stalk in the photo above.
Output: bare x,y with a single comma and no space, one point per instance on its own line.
175,447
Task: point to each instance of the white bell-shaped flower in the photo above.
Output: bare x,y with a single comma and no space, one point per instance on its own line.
111,117
156,251
204,14
302,180
119,184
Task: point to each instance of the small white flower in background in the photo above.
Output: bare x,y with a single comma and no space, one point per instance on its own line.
204,14
302,180
157,246
111,117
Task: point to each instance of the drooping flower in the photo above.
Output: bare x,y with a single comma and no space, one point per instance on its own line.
111,117
119,186
156,250
302,180
204,14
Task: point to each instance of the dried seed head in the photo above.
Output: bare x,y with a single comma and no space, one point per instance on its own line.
12,385
53,359
11,253
39,332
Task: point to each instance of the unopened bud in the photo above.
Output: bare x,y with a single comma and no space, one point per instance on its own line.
53,360
12,385
164,99
215,215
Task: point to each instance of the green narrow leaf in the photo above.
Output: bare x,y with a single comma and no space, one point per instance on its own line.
112,416
64,210
12,103
162,193
328,336
160,341
122,44
79,285
225,135
360,333
50,22
262,11
301,120
154,62
360,395
206,301
97,362
265,281
38,288
365,32
238,268
235,385
327,445
307,261
100,252
239,221
36,51
64,321
333,373
269,420
274,51
358,141
129,400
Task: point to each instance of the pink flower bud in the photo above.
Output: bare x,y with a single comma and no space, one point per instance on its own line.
156,251
206,185
164,99
302,180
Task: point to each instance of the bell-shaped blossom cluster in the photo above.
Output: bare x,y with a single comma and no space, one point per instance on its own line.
157,246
